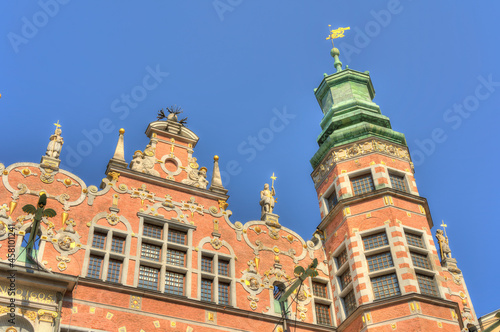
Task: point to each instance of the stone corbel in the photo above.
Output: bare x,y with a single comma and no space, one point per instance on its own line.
47,315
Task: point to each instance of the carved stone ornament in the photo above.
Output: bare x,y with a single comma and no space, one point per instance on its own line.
144,162
354,150
55,145
253,283
66,243
197,178
113,219
216,243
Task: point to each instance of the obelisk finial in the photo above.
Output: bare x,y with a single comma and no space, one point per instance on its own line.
338,33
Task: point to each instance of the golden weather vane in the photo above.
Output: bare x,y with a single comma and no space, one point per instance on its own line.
57,124
273,178
337,33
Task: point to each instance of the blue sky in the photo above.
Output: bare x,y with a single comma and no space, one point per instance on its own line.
234,65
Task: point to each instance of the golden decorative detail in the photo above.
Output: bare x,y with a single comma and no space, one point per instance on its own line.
277,259
47,315
84,190
11,329
122,131
64,217
26,171
135,302
92,310
276,250
216,157
5,172
12,207
393,326
440,325
289,237
408,214
114,176
68,181
122,329
337,33
172,324
257,229
74,310
223,204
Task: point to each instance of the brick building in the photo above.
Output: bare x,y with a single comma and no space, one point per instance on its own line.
154,247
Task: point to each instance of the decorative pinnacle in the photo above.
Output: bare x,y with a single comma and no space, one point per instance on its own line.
334,34
216,157
121,131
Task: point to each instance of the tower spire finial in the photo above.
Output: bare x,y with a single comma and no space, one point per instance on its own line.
338,33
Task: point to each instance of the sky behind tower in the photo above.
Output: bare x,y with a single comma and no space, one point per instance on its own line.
244,73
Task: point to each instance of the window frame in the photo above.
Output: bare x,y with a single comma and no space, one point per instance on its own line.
164,267
361,174
217,277
107,254
399,175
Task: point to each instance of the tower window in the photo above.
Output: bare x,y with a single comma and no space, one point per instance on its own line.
323,314
414,240
341,258
380,261
398,182
349,303
345,279
375,241
385,286
332,200
420,260
362,184
427,285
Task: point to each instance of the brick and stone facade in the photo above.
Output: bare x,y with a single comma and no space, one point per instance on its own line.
154,248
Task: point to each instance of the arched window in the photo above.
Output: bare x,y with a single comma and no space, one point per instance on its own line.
278,290
36,247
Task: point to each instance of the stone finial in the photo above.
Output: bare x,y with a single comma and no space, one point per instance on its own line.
119,156
216,183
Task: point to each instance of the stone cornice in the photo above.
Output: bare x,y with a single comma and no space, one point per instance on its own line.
400,299
155,180
38,279
355,150
379,193
182,300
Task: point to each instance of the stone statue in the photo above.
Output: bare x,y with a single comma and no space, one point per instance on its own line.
197,178
144,162
443,244
267,199
55,145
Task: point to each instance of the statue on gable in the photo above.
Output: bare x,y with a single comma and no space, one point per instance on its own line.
267,199
197,178
443,244
56,142
144,162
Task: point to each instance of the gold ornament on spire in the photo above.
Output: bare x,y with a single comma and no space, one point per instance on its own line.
337,33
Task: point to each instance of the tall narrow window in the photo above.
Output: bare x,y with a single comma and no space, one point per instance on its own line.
95,267
174,283
278,291
114,270
349,303
398,182
148,277
427,285
206,290
224,293
332,200
362,184
206,264
223,268
176,257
